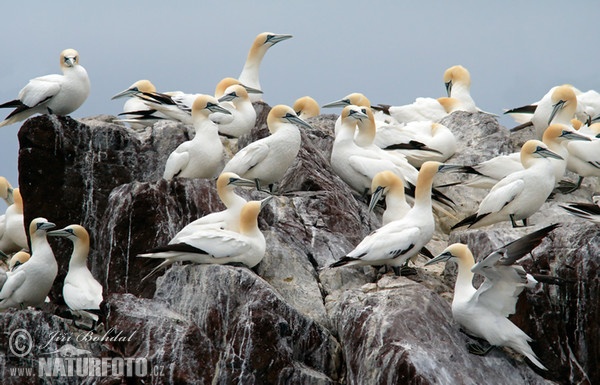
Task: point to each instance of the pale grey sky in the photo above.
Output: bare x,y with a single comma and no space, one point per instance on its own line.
391,51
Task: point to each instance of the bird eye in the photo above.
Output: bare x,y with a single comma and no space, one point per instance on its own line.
364,110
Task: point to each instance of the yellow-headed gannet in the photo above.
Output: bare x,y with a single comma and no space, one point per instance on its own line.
266,160
395,243
201,157
14,237
243,115
389,185
483,312
31,282
518,195
306,107
229,218
81,291
584,157
250,72
225,83
14,262
556,137
589,211
356,99
135,111
55,94
218,246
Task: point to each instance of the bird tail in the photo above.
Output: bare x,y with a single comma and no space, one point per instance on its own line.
343,262
471,219
163,264
523,347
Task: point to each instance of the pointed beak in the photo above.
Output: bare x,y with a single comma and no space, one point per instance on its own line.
338,103
571,135
557,107
228,97
265,202
375,197
59,233
46,226
217,108
274,39
440,258
70,61
450,168
127,92
242,182
547,153
448,87
251,90
358,115
296,120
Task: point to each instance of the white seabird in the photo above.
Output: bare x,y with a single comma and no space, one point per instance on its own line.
14,237
250,72
31,282
201,157
389,185
81,291
6,193
228,219
14,262
518,195
266,160
227,82
243,114
306,107
483,312
55,94
398,241
135,111
584,157
589,211
218,246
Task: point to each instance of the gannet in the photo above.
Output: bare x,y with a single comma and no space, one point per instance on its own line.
396,242
55,94
218,246
556,137
135,111
201,157
243,116
418,141
483,312
589,211
227,82
227,219
250,72
559,105
353,99
81,291
306,107
389,185
584,157
518,195
14,262
14,237
32,281
266,160
6,191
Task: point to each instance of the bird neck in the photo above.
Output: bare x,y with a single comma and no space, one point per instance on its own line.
80,254
249,75
205,128
464,279
346,131
423,188
230,198
366,132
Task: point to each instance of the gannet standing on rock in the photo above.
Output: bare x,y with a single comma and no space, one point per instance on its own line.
14,237
250,73
135,111
399,240
218,246
266,160
243,115
521,194
31,282
483,312
201,157
54,94
81,291
306,107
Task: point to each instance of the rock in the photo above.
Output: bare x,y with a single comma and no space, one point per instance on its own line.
292,319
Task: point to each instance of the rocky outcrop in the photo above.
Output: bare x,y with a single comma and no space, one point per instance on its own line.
290,320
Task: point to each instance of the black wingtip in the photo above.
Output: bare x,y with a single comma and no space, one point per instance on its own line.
529,109
521,126
471,219
524,245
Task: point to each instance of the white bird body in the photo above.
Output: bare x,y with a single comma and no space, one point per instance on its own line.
584,157
14,237
267,160
251,70
31,282
201,157
218,246
483,312
520,194
396,242
243,114
60,94
81,291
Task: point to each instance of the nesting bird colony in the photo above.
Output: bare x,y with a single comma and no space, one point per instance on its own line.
381,151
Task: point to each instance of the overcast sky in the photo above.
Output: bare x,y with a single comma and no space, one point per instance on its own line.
392,51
